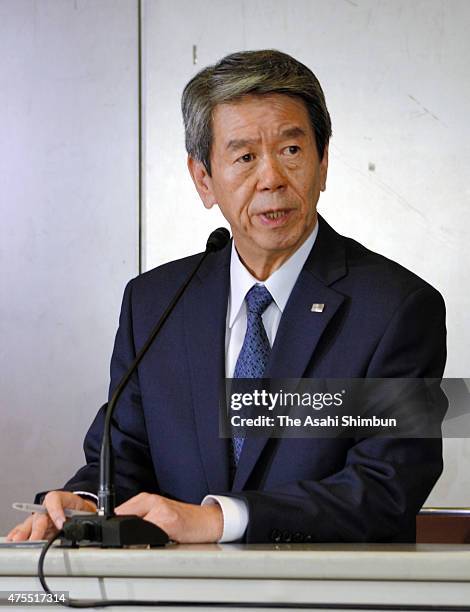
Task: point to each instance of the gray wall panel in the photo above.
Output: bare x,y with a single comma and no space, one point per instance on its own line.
69,230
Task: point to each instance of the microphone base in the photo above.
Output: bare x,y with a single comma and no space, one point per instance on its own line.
112,532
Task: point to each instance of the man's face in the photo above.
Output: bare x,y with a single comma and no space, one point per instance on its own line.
266,175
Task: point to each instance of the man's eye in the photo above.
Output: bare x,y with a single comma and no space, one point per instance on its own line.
248,157
292,149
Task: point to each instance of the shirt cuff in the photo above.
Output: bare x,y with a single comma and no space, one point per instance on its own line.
235,513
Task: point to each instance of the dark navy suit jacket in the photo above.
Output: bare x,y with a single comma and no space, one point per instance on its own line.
379,320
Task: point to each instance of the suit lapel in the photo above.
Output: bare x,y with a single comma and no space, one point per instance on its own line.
204,316
300,329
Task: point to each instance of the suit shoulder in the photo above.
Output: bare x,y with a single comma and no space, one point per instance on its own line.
155,288
172,273
383,275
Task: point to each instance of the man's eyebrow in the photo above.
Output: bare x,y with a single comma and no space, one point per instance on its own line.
240,143
293,132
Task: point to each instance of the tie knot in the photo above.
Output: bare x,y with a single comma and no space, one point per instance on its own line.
258,299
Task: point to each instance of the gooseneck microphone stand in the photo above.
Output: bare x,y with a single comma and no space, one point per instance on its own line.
105,528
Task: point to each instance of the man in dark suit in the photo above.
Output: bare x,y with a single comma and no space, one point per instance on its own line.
288,298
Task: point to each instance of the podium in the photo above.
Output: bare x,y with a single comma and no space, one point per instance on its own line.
336,575
443,526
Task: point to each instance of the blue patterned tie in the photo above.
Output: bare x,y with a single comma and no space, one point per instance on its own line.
254,354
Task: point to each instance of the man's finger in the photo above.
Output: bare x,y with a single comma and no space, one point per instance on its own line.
40,527
54,503
21,532
140,505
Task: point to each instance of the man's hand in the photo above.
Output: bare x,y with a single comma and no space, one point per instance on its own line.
43,526
184,523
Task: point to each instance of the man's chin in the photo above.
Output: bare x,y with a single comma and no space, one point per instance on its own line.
269,244
280,242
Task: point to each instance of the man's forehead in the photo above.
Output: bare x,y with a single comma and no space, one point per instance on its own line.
236,123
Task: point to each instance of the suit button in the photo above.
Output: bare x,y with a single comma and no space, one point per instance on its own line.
275,536
298,537
286,536
308,538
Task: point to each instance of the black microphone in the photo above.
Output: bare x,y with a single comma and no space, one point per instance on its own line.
218,239
105,528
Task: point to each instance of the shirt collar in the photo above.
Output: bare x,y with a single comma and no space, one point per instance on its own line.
279,284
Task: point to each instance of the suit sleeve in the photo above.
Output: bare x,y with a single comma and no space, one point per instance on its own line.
385,481
132,461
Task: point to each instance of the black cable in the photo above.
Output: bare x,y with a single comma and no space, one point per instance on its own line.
84,603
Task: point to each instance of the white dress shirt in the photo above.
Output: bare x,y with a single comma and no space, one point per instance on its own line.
280,285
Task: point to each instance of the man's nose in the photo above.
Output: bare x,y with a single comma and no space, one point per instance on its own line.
271,174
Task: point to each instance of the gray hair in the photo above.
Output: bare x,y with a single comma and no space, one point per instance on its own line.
249,72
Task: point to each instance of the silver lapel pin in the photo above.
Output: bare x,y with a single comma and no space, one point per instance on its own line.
317,307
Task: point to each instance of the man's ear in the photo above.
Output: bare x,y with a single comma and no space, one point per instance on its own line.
324,168
202,182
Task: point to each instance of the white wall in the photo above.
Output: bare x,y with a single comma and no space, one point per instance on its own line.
395,75
69,226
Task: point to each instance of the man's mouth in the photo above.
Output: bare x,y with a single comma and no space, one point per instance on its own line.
275,218
276,215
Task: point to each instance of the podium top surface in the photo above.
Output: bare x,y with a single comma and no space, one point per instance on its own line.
443,562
